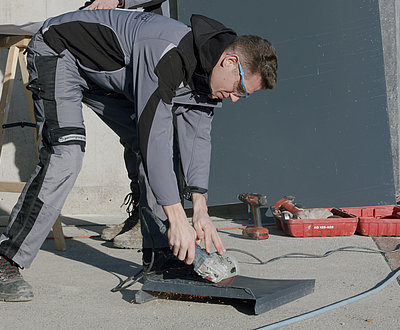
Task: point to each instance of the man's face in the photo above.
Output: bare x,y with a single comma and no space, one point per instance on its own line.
226,82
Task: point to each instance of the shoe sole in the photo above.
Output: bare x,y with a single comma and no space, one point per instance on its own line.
108,234
108,237
131,239
16,298
133,244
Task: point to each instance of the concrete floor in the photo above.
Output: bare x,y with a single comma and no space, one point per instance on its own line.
72,288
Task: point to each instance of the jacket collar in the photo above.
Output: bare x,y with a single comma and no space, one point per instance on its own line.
210,39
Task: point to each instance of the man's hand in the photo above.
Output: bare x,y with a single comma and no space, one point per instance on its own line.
181,235
103,4
203,225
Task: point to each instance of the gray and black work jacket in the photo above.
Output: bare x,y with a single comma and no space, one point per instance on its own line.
161,65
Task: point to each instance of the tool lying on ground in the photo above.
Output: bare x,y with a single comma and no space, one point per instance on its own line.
254,201
288,208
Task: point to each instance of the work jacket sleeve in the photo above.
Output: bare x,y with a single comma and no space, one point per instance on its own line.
194,134
157,86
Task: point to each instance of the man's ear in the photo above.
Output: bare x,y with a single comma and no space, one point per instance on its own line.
229,59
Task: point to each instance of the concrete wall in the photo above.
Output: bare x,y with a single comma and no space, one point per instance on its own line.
389,13
103,182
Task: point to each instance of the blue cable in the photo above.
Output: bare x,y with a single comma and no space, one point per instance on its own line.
340,303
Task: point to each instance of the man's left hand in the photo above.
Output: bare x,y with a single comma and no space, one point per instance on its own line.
103,4
203,225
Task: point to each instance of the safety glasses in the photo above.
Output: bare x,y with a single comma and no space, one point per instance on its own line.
242,93
241,90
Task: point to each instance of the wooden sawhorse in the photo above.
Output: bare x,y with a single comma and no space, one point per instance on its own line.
17,46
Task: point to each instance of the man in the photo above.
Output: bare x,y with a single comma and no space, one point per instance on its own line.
168,78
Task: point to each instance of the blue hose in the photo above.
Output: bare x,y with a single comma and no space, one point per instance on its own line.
340,303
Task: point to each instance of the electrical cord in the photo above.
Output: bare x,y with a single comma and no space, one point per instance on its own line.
135,278
393,275
307,255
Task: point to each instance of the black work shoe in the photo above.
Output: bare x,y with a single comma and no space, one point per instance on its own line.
12,285
164,265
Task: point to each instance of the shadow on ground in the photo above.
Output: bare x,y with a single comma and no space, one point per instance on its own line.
80,251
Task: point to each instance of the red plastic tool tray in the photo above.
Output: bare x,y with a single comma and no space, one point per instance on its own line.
344,225
382,220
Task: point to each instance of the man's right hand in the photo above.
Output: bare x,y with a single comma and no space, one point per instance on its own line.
181,235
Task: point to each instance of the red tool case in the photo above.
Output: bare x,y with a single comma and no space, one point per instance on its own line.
343,225
381,220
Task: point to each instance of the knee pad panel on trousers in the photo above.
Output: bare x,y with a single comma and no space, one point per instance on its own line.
64,136
63,167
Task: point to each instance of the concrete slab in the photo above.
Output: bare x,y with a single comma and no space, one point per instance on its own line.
72,288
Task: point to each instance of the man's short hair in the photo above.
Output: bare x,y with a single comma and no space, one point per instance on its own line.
257,55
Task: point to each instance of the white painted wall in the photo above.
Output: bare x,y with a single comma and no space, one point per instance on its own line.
103,181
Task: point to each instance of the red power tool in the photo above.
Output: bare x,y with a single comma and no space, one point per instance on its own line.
255,200
286,204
